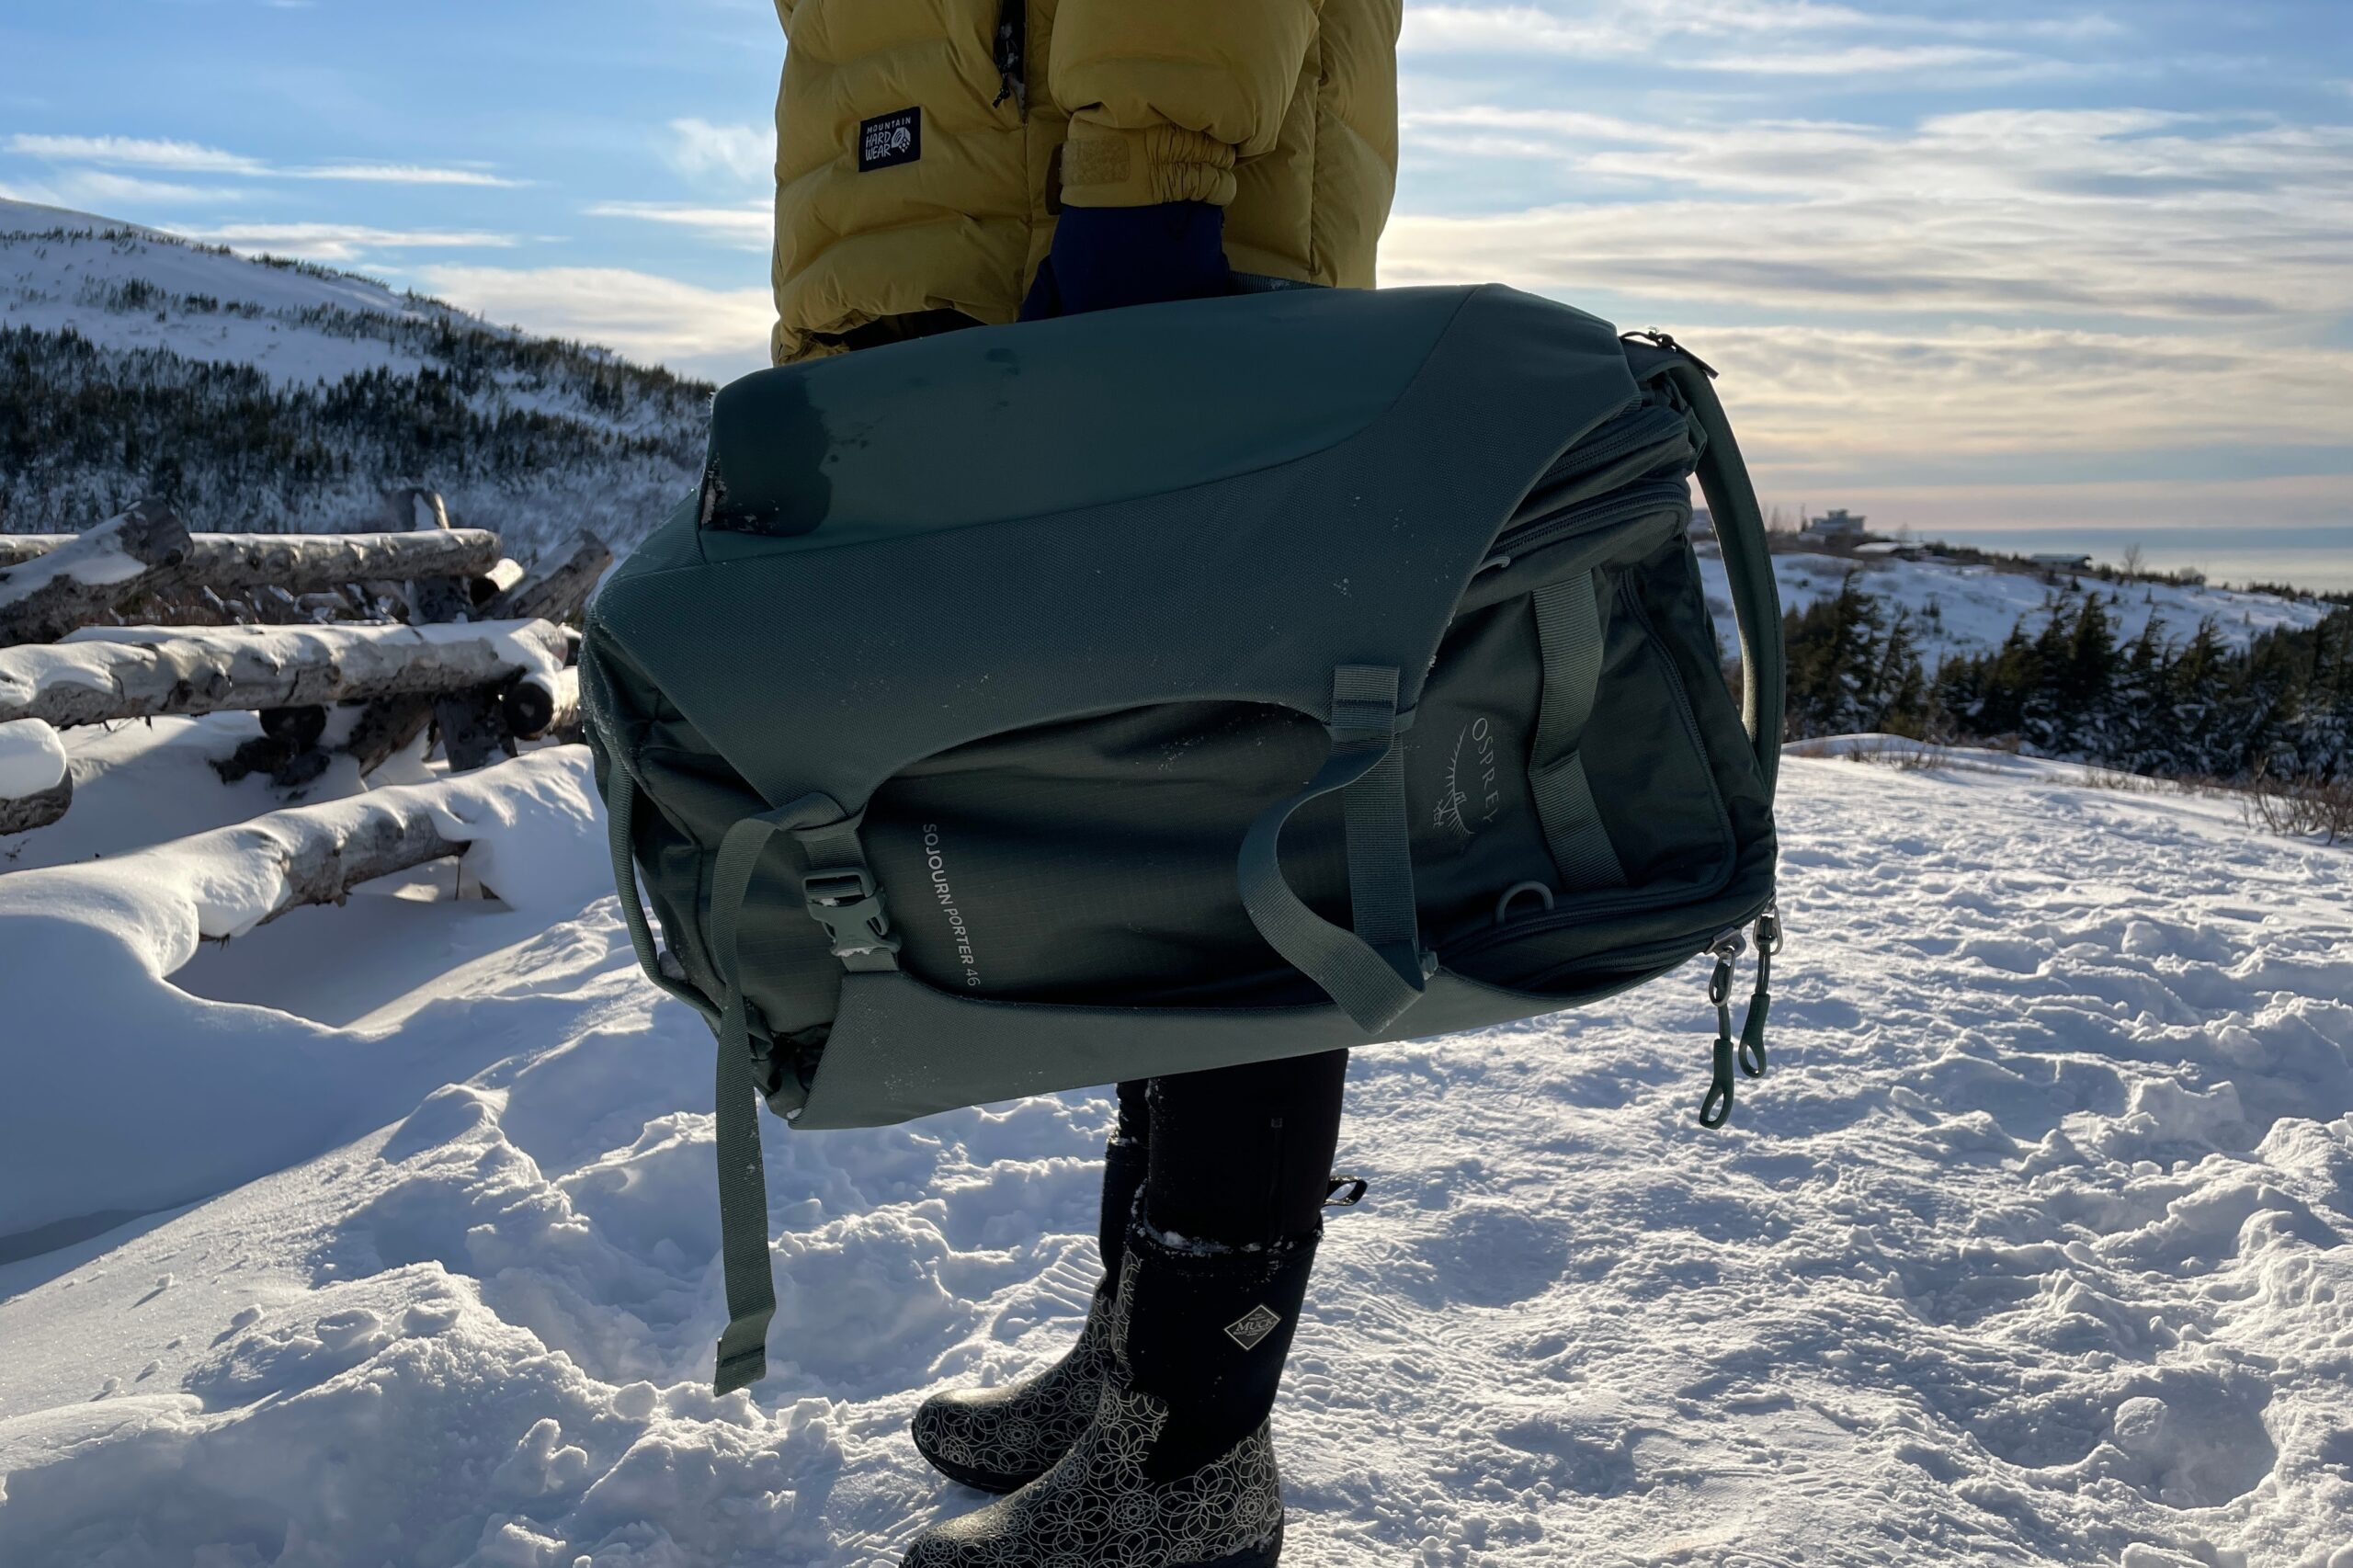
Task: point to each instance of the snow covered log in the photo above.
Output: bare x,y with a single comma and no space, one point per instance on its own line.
135,672
36,785
197,1095
559,588
556,590
17,549
539,705
410,509
318,854
299,564
489,586
24,813
82,580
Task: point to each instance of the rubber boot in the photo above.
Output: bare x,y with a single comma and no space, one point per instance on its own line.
1178,1470
999,1440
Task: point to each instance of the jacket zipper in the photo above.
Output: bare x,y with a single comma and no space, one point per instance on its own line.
1012,44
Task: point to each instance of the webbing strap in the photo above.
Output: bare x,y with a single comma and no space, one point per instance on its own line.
742,1177
621,813
1374,985
1568,628
1381,859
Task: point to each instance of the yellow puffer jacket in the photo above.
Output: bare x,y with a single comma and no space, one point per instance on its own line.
924,146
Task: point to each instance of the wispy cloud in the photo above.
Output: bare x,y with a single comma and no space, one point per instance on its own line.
719,332
2118,279
2003,213
746,226
190,157
345,242
187,157
401,174
1776,37
746,153
1862,59
82,189
1990,393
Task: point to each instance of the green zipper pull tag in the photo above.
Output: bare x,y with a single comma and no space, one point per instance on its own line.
1716,1109
1760,1001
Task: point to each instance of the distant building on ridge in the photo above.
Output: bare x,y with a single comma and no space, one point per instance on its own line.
1838,526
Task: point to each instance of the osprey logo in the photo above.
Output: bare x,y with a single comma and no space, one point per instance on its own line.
889,140
1471,799
1251,1330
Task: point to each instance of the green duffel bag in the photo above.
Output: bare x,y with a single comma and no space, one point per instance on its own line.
1030,708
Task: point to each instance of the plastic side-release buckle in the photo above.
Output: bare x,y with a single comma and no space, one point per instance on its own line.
847,905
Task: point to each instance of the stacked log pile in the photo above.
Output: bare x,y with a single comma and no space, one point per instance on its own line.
418,626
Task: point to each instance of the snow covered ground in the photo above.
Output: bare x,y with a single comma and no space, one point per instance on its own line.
2032,1249
1962,608
51,283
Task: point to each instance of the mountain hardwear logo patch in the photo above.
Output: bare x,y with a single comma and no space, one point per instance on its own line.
1251,1331
889,140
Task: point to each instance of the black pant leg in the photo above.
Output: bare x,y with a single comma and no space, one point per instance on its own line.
1242,1156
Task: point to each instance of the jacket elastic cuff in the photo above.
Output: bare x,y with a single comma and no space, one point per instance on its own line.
1111,166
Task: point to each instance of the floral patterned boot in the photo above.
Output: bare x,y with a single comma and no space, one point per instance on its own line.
1002,1438
1177,1469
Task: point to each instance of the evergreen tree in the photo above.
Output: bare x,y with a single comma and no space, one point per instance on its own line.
1905,706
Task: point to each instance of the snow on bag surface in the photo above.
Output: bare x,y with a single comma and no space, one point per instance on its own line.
2031,1250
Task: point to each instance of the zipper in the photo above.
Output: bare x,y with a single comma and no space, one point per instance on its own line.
1619,506
1658,339
1567,912
1649,424
1012,43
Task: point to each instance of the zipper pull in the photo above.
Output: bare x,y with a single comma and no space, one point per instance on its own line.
1012,30
1760,1001
1666,340
1716,1109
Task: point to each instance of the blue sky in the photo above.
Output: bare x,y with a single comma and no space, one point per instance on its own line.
1963,265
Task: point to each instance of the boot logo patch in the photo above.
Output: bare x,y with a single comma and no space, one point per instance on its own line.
1251,1330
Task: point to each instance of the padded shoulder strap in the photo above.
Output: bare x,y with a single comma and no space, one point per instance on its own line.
1749,565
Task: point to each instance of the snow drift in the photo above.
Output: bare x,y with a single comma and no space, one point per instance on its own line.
2032,1250
128,1095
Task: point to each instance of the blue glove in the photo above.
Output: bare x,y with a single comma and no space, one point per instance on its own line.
1108,256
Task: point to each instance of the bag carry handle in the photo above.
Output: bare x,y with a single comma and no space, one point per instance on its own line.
1374,972
1739,526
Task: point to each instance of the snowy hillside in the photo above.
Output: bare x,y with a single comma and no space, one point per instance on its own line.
255,393
2031,1250
1962,608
